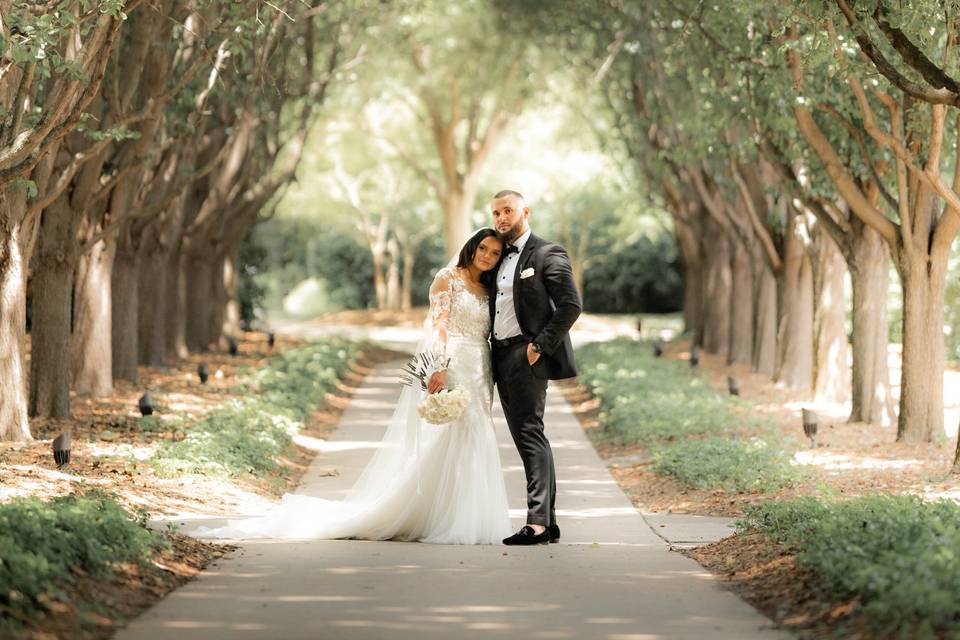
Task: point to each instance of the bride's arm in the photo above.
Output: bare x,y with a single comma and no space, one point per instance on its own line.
440,300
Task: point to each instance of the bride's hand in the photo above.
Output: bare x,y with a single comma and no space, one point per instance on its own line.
437,381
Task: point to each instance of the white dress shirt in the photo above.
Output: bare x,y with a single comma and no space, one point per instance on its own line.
505,322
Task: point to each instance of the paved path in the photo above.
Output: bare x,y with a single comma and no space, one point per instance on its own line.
612,577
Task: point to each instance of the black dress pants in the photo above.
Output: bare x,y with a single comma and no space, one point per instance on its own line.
523,396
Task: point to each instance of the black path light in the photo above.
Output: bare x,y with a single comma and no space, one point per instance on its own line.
810,426
639,327
657,349
61,449
146,404
204,372
271,339
234,346
733,385
695,355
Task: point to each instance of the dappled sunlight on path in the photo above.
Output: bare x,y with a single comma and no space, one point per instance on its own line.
610,577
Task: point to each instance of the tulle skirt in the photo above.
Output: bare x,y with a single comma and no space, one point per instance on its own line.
435,484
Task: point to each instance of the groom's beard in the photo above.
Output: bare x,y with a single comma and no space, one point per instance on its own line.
512,233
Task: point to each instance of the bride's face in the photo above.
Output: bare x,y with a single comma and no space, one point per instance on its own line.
488,253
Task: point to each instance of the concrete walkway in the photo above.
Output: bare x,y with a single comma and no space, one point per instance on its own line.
611,577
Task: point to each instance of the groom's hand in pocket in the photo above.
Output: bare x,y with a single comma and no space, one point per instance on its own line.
532,356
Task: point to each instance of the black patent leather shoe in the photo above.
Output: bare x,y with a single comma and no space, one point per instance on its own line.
526,535
554,533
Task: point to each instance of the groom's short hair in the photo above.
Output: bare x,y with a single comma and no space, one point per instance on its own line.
508,192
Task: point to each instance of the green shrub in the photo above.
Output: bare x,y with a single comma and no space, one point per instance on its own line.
152,424
644,399
628,275
753,465
898,555
247,436
42,543
695,434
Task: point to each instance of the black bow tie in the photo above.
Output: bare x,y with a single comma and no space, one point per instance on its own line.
512,249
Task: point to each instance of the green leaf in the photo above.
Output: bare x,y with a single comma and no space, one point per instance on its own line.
29,185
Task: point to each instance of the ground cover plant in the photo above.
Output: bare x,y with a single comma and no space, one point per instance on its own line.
44,544
247,436
894,556
703,438
741,466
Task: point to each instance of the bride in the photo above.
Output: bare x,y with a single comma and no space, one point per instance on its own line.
437,484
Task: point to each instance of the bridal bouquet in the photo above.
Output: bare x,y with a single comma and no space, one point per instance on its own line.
421,367
444,406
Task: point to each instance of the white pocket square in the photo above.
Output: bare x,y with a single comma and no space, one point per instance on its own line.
526,273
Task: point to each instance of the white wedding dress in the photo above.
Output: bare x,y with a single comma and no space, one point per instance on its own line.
436,484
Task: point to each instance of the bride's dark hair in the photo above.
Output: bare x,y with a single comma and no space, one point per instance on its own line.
469,250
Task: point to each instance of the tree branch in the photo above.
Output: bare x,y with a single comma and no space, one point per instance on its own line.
890,72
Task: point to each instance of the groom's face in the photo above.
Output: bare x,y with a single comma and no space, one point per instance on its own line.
510,215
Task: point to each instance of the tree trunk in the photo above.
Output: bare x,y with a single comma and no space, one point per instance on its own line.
379,282
795,322
406,288
765,321
717,295
152,309
831,371
872,400
393,277
14,424
176,295
741,309
217,304
457,211
231,283
197,279
125,324
921,382
91,350
52,283
692,278
577,268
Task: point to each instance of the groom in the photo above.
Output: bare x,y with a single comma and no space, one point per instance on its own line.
533,304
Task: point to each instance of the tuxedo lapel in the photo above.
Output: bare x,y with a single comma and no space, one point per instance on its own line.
522,261
492,300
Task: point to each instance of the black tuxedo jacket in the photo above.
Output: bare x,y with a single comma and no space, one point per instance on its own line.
547,304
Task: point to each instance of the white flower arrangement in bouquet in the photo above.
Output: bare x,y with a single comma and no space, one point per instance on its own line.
443,407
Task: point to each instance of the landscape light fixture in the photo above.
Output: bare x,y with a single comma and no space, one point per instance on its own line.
733,385
810,426
61,449
146,404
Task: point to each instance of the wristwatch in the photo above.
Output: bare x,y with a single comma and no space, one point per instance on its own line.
536,347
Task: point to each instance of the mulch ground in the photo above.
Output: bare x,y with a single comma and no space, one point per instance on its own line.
108,450
765,574
94,609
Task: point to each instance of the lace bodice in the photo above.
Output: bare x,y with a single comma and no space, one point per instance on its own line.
455,310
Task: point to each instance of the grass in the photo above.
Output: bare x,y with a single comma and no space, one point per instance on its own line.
44,544
704,439
247,436
897,556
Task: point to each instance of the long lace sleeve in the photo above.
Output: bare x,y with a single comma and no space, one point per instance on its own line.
441,298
